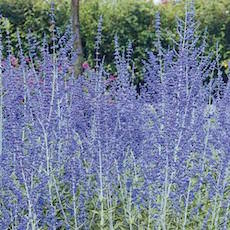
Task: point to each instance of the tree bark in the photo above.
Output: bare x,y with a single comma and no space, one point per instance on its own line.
75,8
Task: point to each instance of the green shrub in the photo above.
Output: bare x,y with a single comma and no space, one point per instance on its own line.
131,20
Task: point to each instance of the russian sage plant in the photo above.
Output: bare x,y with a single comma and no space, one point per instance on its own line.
94,152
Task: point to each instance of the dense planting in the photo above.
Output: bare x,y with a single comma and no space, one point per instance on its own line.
93,152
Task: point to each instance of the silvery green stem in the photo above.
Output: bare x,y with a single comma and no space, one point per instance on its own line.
184,116
13,221
203,160
206,141
123,192
60,202
110,206
101,196
47,150
48,165
166,194
32,217
74,207
226,216
54,74
215,203
130,210
186,205
217,215
218,207
60,121
53,88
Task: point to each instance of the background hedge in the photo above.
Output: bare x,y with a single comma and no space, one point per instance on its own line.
131,20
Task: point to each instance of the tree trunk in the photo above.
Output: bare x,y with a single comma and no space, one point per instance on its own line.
75,6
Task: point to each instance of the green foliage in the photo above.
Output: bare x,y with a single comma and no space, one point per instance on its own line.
31,15
131,20
34,14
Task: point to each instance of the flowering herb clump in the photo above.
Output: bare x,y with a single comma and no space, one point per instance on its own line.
93,152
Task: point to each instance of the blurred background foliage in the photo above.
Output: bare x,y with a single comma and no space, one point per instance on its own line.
131,20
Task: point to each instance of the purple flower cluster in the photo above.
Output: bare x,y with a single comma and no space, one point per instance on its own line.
66,141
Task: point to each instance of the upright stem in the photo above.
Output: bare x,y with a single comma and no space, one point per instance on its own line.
48,165
226,216
32,217
53,87
101,197
110,206
206,141
166,195
214,213
130,210
74,206
186,205
60,202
